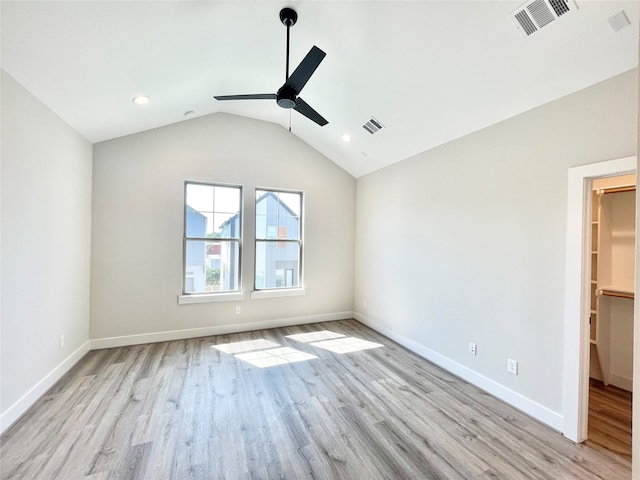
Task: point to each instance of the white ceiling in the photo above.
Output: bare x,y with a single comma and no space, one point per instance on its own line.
430,71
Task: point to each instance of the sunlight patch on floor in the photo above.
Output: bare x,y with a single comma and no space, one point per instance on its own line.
262,353
346,345
246,346
275,356
314,336
265,353
334,342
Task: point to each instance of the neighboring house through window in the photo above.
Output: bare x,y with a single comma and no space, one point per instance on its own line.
212,238
278,239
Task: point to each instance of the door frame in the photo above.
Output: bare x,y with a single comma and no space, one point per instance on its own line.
577,292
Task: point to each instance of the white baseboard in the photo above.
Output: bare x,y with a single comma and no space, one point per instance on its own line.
14,412
619,381
526,405
127,340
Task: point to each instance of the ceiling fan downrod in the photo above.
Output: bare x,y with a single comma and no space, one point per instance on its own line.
288,17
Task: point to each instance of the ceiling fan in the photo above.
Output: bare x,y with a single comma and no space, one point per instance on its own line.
287,95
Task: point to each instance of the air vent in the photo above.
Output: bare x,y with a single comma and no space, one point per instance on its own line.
534,15
372,126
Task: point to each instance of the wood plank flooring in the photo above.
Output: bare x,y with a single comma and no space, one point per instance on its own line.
203,409
610,418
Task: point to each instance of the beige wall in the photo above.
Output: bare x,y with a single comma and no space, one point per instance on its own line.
46,227
138,220
466,242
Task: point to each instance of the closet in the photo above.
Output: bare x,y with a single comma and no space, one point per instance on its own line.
612,280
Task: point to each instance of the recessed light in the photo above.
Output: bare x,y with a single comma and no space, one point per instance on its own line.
346,137
141,100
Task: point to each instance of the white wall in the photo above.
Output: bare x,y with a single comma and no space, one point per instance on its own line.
466,242
45,238
138,220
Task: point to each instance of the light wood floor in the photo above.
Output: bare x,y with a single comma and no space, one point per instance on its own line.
187,410
610,418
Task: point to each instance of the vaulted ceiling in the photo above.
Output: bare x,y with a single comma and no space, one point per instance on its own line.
429,71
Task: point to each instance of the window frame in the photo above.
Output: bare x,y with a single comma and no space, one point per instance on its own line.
298,289
199,297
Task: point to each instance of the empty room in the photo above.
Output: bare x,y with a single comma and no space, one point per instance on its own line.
318,239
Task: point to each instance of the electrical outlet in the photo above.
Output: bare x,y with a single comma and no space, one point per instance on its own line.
238,310
512,366
364,304
473,348
61,342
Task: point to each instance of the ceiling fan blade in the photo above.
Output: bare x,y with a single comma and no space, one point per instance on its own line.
303,72
304,108
250,96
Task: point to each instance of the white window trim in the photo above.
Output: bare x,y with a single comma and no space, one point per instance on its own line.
210,297
278,292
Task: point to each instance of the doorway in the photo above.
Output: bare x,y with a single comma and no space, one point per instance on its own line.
578,292
610,276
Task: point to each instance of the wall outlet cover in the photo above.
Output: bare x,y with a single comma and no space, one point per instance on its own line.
512,366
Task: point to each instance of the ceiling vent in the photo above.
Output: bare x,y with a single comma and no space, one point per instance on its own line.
372,126
534,15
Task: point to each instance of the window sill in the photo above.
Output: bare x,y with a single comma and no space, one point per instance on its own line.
285,292
210,297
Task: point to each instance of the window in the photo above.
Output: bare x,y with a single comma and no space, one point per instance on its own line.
278,239
212,238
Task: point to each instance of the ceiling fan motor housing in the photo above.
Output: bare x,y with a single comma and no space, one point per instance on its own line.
286,96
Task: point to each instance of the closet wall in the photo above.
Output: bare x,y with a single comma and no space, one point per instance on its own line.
612,280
